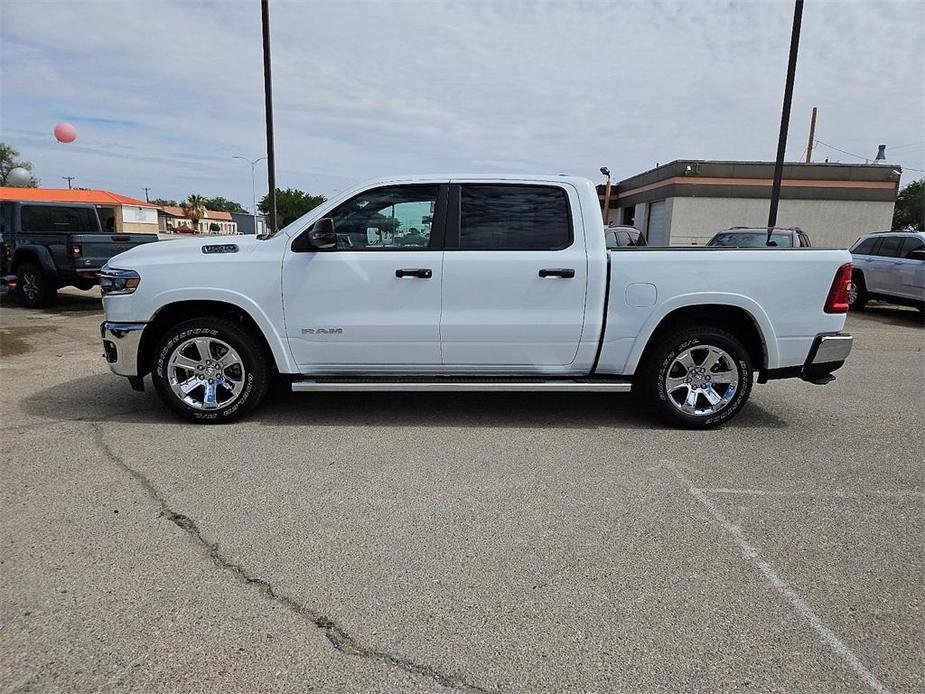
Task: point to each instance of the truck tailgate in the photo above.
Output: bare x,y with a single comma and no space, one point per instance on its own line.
97,249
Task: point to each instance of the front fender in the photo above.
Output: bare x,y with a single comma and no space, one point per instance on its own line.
278,344
750,306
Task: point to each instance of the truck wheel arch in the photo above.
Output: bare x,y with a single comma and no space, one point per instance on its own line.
750,325
179,311
36,253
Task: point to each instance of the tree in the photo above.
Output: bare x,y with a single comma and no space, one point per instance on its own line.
164,202
223,204
909,212
9,160
195,208
290,205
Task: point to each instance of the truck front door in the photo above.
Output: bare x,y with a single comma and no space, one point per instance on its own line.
514,277
373,303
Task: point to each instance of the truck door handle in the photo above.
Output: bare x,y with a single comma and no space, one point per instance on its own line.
557,272
423,273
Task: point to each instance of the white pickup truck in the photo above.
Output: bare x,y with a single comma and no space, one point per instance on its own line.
483,283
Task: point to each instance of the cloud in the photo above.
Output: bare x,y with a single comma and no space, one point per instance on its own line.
164,93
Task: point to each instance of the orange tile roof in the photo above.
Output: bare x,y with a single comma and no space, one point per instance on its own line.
92,197
210,214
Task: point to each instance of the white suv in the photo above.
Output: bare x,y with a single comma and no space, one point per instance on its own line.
890,266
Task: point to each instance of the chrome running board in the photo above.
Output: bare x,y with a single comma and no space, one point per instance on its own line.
585,386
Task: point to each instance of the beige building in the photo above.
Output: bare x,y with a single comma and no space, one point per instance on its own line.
174,220
687,201
118,213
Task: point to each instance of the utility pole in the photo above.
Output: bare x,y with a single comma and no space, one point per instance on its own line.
147,199
812,137
606,172
253,163
268,94
785,116
69,179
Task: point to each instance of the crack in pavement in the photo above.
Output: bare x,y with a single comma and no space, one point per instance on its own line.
336,635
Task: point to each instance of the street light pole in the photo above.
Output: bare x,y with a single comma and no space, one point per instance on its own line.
253,163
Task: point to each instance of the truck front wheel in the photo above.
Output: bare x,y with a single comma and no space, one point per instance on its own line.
35,289
697,378
209,370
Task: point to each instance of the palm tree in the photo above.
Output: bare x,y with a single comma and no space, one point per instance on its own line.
195,208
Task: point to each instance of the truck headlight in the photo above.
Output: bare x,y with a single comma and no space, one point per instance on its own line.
114,281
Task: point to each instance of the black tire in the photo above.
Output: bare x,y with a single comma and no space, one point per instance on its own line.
660,361
254,371
34,288
860,297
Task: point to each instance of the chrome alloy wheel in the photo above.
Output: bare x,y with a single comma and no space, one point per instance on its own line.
206,373
702,380
852,292
30,286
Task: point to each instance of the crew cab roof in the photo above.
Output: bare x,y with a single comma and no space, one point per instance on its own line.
438,178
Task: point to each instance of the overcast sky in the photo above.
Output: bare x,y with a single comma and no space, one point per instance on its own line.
164,93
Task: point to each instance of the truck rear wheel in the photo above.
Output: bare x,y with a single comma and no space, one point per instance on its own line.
33,287
697,378
209,370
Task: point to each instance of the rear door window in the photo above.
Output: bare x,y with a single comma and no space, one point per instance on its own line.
514,218
45,218
890,246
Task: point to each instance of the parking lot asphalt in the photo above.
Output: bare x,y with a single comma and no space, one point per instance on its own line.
470,542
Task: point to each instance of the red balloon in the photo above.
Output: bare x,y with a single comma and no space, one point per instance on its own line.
65,132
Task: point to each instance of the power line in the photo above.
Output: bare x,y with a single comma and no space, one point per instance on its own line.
850,154
911,144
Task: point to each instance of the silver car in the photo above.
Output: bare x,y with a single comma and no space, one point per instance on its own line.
889,266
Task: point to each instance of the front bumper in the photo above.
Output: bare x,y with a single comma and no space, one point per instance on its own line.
121,342
827,354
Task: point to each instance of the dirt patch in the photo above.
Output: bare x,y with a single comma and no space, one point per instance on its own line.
13,341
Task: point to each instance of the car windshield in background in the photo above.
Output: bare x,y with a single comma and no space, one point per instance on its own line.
750,240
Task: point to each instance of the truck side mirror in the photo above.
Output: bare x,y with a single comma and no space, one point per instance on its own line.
319,237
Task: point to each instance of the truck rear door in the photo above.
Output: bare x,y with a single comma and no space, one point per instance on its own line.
514,276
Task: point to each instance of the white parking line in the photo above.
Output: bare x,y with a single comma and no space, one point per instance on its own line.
837,494
827,636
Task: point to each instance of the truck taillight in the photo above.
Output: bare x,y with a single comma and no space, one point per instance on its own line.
837,302
74,250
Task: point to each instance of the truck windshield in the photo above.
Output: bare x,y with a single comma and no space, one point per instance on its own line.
750,240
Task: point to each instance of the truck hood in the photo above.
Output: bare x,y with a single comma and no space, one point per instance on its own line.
185,250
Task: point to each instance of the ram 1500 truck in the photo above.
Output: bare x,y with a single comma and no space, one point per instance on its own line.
484,283
48,245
